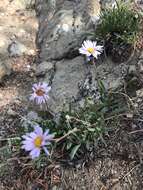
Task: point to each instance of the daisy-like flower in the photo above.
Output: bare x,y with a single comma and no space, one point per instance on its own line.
40,92
91,49
36,140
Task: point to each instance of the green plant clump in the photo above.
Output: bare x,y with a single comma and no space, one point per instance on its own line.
78,131
119,29
119,23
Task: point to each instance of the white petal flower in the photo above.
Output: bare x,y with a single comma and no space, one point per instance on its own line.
90,48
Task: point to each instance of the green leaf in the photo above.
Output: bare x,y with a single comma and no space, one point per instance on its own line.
74,151
91,129
69,144
98,129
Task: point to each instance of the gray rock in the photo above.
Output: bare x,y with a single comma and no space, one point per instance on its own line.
140,4
111,74
44,67
141,56
33,116
140,66
10,112
71,81
23,4
56,188
65,82
108,3
30,119
139,93
132,70
63,26
16,49
5,69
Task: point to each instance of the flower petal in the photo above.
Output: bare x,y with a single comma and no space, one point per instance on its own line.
49,137
46,150
90,44
99,48
33,135
35,153
85,52
28,146
40,99
38,130
46,132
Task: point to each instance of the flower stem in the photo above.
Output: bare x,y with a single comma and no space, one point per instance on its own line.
66,135
49,110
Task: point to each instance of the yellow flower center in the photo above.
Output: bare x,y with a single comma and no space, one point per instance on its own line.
40,92
90,50
38,141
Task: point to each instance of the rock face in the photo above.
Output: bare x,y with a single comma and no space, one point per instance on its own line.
23,4
16,49
63,25
5,69
65,82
